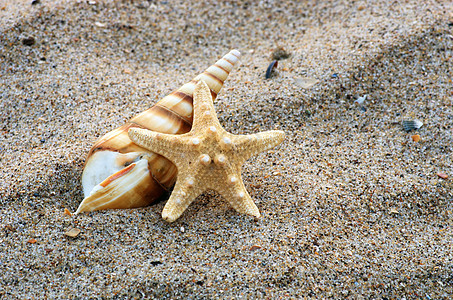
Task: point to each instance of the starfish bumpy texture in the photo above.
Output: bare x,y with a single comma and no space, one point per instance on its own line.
207,157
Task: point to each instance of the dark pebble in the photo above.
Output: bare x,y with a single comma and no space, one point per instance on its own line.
200,282
29,41
34,2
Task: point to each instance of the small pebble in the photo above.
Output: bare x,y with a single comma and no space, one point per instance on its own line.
416,137
305,82
67,212
31,241
29,41
442,175
74,232
182,229
99,24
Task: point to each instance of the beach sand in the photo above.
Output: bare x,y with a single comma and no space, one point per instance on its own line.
351,206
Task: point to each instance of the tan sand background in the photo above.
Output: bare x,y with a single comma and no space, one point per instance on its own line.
352,207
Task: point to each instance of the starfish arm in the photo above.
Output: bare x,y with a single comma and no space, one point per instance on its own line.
204,114
250,145
170,146
236,194
184,193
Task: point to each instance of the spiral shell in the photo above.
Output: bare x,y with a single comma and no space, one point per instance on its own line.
120,174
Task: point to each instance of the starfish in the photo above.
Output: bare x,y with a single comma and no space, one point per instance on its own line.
207,157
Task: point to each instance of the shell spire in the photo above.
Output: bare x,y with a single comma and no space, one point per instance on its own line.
121,174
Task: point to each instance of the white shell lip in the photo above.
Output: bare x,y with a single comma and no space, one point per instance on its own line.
101,165
121,187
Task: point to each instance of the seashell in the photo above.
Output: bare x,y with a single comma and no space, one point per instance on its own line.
412,125
121,174
361,100
273,65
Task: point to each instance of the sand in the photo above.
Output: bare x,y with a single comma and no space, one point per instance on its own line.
351,206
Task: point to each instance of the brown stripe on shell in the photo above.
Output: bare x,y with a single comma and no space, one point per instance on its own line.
116,175
214,95
232,53
117,140
185,99
222,68
162,170
231,63
213,76
177,124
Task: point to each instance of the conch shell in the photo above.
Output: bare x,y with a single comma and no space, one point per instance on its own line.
121,174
